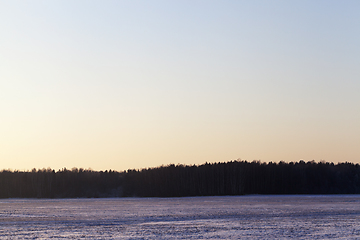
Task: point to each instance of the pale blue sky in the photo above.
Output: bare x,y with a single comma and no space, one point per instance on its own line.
133,84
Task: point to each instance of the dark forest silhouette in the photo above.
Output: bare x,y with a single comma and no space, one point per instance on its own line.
231,178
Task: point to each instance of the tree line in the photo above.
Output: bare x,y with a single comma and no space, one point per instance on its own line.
209,179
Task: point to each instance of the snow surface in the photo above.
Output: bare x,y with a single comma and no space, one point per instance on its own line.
230,217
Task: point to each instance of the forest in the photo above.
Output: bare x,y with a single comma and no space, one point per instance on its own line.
209,179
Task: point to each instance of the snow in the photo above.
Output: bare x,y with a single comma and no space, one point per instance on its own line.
229,217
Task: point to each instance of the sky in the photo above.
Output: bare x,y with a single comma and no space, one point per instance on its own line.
136,84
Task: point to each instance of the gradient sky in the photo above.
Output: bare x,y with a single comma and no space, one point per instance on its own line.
135,84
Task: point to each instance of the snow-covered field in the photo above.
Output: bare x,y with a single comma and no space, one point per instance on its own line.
245,217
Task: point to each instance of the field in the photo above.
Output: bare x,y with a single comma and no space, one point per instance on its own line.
230,217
